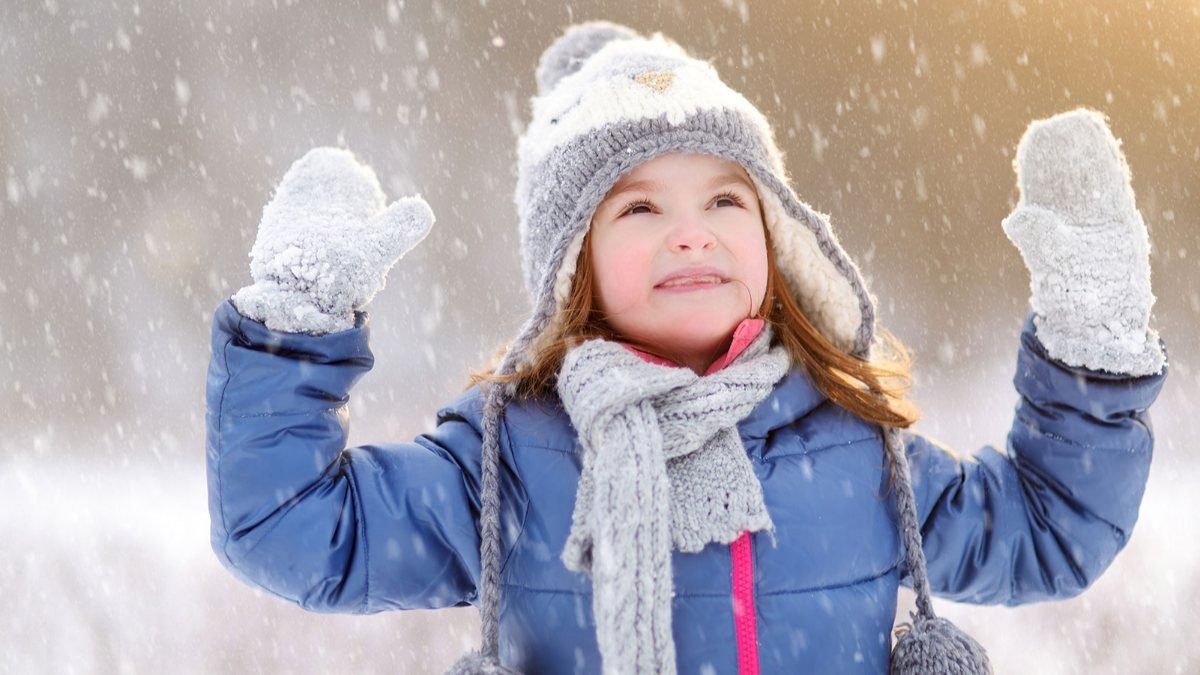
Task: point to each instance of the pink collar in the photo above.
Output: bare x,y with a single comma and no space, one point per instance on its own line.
743,335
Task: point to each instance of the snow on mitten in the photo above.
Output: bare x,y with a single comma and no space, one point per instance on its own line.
325,244
1085,245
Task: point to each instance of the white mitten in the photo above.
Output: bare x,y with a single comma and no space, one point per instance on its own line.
1085,245
325,244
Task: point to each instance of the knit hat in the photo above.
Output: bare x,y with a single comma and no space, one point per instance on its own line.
608,101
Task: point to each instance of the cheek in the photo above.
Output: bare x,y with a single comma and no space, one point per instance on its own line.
754,261
759,287
619,274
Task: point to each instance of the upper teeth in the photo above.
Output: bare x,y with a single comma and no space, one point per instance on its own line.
683,281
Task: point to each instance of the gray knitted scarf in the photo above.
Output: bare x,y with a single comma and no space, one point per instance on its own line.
663,468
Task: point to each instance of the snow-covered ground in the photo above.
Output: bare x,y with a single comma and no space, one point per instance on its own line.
107,569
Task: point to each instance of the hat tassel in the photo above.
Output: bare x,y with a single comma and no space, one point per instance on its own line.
930,644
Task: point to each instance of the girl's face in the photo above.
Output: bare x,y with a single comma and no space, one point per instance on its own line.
679,256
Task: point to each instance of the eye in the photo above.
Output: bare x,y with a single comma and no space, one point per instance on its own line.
637,207
726,199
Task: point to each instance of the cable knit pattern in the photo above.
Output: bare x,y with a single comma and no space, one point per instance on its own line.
663,468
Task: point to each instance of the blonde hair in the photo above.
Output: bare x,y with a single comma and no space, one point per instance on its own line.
874,390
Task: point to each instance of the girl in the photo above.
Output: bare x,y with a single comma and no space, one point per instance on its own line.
690,458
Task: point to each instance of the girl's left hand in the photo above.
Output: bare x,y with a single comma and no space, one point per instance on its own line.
1085,245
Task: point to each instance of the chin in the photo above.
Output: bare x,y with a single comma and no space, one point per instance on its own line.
707,334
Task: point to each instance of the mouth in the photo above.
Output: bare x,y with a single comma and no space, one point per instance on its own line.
692,280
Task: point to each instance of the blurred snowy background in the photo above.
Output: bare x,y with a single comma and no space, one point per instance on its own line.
139,141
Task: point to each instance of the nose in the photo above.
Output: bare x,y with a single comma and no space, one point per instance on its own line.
688,234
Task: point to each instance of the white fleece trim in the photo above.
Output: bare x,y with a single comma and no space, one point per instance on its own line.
827,298
566,273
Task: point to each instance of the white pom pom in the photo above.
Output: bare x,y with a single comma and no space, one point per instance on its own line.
573,47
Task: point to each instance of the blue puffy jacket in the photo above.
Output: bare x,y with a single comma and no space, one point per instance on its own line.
384,527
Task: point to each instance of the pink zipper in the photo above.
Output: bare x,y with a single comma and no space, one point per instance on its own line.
743,606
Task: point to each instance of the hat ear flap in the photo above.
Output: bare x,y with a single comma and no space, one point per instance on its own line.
572,49
825,282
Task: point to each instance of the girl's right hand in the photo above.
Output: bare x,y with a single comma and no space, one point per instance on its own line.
325,244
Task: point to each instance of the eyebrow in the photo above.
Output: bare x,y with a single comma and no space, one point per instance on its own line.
722,179
635,186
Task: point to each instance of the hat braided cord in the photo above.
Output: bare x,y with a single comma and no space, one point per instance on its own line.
929,644
487,660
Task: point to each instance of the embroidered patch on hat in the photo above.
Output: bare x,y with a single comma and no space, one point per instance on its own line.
658,80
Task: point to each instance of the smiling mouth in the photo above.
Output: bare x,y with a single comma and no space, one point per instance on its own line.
693,281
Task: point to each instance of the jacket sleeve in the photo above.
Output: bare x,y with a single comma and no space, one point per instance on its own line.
1044,520
327,527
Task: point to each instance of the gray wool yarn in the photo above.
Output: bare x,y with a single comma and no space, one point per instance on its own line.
937,647
486,661
930,645
663,468
478,663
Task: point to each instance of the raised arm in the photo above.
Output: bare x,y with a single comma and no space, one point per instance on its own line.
1046,518
293,510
